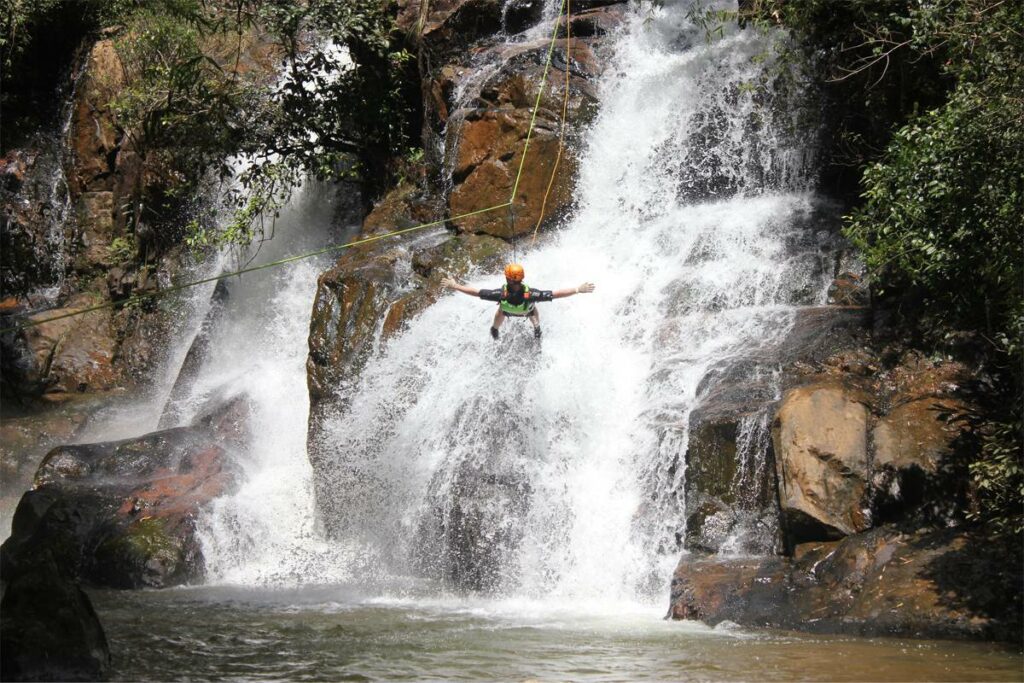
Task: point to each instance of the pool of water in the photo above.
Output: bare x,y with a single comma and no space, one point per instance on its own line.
337,633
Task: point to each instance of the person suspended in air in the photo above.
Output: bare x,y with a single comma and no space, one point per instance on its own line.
516,298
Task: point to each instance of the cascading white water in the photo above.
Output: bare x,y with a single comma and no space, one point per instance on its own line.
551,470
264,533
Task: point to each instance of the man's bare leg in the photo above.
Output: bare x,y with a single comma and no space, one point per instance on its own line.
499,318
535,319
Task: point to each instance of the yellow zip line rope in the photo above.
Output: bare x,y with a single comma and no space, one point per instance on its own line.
336,247
565,113
529,130
299,257
536,105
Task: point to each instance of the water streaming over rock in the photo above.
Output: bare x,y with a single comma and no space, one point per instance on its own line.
558,469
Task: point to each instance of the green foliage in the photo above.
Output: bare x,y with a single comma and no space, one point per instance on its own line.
21,19
997,477
345,104
180,104
943,210
16,24
344,91
341,109
930,113
122,249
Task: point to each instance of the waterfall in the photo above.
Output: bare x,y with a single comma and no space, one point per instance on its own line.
265,532
555,469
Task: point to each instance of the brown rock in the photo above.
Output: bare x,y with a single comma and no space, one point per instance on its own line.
25,440
914,434
73,354
492,179
446,26
820,441
849,289
941,584
95,212
594,22
712,590
122,514
486,145
95,138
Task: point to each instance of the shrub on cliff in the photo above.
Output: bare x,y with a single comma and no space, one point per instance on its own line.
927,110
202,84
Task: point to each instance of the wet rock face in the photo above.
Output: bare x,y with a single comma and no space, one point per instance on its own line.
731,489
197,354
822,460
479,94
49,630
474,528
34,234
852,443
889,581
71,355
487,138
122,514
368,296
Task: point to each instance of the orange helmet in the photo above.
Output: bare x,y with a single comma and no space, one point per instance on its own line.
514,272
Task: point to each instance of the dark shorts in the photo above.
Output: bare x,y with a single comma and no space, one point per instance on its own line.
533,309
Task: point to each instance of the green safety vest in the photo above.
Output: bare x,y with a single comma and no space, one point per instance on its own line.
516,309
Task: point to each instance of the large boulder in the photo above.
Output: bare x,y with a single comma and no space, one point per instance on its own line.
820,443
946,583
122,514
857,444
731,497
49,630
26,439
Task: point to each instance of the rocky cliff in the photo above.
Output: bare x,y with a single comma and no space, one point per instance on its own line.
864,492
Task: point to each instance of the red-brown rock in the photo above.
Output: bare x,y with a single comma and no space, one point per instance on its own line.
924,583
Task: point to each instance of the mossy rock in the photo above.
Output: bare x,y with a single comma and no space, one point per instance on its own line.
149,552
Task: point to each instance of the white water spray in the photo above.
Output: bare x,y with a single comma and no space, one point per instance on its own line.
554,472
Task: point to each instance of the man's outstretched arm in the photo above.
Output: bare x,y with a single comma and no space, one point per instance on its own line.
585,288
452,284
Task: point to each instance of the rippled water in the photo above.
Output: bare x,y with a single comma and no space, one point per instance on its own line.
337,633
